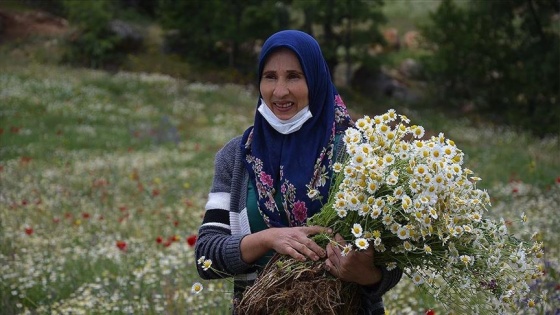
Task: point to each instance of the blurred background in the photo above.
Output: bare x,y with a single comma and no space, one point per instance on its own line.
492,60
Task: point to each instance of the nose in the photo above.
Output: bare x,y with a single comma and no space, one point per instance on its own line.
280,89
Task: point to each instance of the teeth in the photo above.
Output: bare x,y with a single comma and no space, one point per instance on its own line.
285,105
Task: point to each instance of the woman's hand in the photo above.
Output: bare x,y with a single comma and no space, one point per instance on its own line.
356,267
293,241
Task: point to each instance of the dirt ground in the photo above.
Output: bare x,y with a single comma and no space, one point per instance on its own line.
19,25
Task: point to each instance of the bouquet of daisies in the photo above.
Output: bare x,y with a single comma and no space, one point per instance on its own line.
409,197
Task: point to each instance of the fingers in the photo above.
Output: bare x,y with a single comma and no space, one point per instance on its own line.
333,263
339,239
302,251
310,248
296,243
295,254
315,229
356,266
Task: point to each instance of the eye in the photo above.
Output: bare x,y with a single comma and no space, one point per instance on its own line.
269,76
294,76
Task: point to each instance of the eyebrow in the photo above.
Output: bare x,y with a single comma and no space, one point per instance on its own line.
287,71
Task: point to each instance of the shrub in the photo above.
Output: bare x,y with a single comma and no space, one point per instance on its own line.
92,44
500,57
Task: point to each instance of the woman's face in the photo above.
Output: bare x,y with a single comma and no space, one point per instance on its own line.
283,86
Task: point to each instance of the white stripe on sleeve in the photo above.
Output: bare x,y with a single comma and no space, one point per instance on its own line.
218,200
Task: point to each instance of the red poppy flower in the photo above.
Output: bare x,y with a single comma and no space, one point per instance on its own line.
191,240
86,215
430,312
121,245
28,230
159,239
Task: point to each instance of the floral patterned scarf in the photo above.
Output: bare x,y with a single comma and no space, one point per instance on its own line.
298,165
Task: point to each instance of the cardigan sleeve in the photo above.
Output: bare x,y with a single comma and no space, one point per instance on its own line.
389,280
215,240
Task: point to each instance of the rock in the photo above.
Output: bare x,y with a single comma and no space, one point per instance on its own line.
130,37
409,68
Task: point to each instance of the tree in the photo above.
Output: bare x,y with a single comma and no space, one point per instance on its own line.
93,45
220,33
500,56
350,25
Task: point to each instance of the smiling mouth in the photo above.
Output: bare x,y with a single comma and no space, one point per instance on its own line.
285,105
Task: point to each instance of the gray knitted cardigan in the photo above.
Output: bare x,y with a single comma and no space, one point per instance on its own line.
226,222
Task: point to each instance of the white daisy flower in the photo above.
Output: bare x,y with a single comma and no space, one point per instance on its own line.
417,279
313,194
346,249
421,170
337,167
391,265
197,287
361,243
207,264
357,230
403,233
466,259
417,131
427,249
388,159
201,260
408,246
375,212
342,213
387,219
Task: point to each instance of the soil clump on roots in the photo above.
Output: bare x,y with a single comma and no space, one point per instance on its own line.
287,286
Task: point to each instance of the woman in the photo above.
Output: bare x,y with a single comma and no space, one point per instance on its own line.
259,200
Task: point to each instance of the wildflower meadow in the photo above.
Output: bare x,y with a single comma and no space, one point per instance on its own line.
104,178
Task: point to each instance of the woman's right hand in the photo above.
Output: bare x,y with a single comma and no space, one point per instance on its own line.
292,241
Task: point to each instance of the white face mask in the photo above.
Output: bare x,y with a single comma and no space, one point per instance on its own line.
285,126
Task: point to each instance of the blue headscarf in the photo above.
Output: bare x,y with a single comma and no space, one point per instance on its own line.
300,162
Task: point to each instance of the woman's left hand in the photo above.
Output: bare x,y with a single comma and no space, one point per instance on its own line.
356,267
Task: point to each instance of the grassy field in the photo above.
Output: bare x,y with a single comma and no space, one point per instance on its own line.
104,179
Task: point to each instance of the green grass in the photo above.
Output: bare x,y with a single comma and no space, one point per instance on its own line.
89,158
